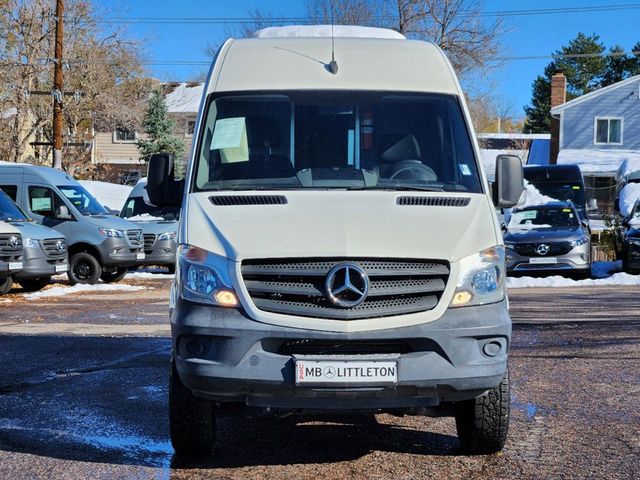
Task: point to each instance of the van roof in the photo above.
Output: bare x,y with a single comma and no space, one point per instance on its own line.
47,174
301,63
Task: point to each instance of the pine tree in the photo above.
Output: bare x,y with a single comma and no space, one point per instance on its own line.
159,129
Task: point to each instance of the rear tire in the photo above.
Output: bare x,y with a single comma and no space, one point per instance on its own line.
483,423
5,285
114,276
34,284
84,268
191,419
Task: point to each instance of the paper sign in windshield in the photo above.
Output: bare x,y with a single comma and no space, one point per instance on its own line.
40,204
230,137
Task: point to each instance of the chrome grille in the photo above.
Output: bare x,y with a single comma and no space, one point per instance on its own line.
10,246
555,249
297,286
135,238
55,247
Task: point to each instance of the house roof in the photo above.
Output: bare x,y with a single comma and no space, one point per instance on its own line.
598,161
184,97
596,93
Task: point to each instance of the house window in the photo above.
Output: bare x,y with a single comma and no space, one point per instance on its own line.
191,127
124,135
608,131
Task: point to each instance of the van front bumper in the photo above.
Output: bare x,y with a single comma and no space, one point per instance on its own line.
36,264
223,355
118,253
162,253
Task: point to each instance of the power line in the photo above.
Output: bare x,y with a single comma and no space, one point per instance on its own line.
306,20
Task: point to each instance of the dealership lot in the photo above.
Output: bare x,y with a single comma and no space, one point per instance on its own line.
84,385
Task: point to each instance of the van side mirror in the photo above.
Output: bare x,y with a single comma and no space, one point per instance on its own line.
163,189
509,181
63,213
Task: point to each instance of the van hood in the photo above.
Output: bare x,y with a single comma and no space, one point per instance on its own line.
110,221
340,224
36,231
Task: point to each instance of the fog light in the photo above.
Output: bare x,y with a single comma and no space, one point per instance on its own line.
491,349
194,347
226,298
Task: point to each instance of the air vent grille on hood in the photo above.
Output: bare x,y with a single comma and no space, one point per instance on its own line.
236,200
434,201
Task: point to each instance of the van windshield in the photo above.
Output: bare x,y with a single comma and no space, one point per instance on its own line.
82,200
9,211
336,139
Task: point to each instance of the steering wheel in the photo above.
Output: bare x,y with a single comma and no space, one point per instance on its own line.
413,170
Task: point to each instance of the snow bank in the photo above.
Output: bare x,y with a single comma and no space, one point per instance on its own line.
558,281
628,196
532,197
148,275
184,98
79,288
348,31
111,195
598,161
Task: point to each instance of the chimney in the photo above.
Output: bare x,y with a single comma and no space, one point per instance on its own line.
558,97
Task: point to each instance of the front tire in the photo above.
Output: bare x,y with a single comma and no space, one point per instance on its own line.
483,422
115,275
34,284
84,268
5,285
191,419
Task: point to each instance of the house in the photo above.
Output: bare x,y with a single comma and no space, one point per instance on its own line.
115,149
597,131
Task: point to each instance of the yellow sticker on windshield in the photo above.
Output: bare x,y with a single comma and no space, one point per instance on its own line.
566,210
576,187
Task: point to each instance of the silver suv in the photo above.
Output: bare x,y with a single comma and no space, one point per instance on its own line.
547,238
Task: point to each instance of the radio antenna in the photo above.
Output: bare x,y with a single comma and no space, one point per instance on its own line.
333,65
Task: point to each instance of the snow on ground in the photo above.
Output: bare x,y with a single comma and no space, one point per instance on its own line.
596,225
601,271
598,161
628,196
148,275
80,288
185,98
111,195
337,31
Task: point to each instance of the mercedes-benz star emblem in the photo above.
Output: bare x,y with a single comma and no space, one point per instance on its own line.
329,372
14,241
346,285
542,249
60,246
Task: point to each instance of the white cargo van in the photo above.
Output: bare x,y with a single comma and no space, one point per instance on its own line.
339,249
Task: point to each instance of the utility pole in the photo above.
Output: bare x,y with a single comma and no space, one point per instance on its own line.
57,88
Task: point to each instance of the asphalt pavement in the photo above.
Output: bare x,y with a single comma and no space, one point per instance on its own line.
83,394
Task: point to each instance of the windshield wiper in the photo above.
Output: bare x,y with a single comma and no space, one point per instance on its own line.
401,188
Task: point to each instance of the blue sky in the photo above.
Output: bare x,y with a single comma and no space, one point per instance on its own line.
528,35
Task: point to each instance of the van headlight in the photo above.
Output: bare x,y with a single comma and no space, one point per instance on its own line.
30,243
203,277
111,232
167,236
481,279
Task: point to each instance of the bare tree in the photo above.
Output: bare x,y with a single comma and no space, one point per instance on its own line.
259,20
101,64
345,12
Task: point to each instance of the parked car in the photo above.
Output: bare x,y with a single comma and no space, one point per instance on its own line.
549,238
44,249
10,254
100,245
338,247
560,182
159,227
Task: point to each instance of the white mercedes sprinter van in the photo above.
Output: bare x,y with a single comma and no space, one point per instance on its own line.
339,249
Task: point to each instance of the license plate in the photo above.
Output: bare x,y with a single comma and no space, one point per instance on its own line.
15,265
62,268
346,372
543,260
139,256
